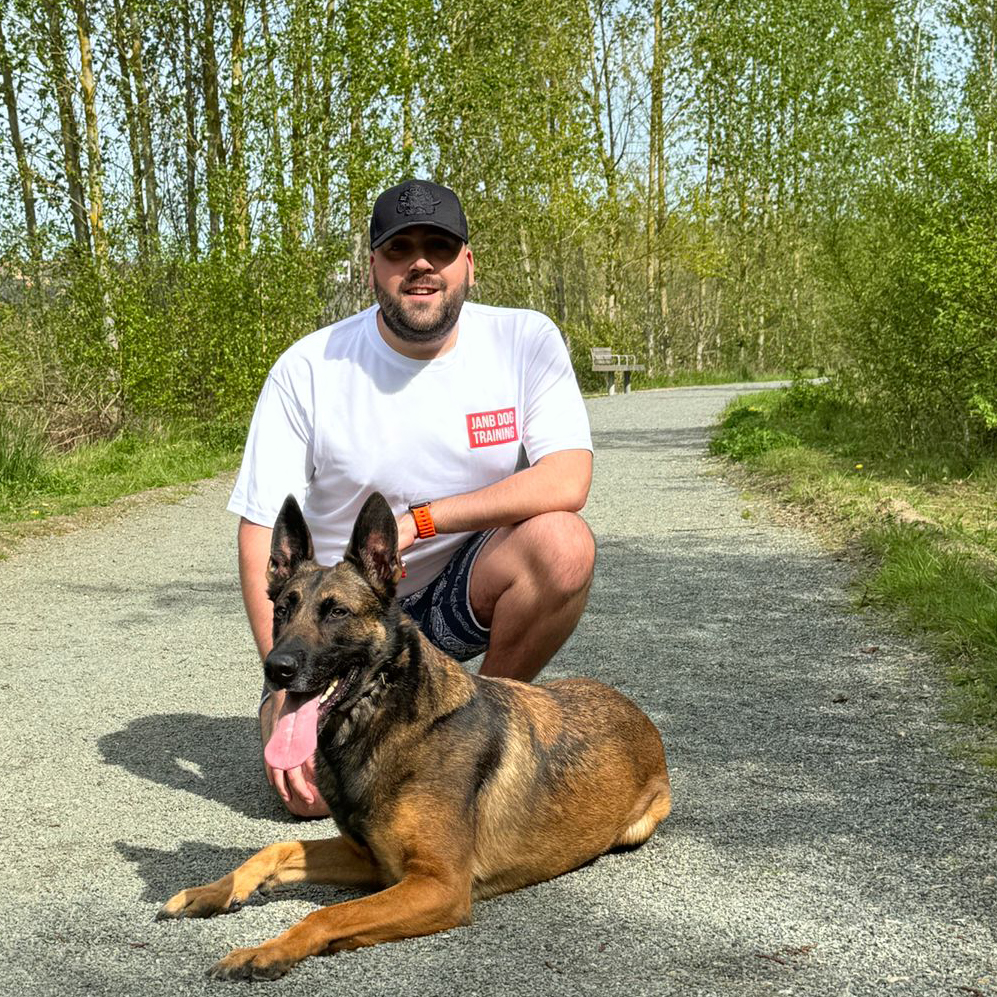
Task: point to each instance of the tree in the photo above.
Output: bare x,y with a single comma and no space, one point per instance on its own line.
54,56
23,169
95,167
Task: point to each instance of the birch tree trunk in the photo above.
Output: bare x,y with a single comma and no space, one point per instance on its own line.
23,170
356,166
300,70
95,166
606,141
238,181
656,294
192,143
144,110
69,133
131,123
276,142
215,159
327,86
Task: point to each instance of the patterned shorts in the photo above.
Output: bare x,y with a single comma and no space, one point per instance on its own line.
442,609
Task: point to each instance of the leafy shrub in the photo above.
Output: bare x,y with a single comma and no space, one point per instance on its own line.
920,318
170,340
809,396
22,447
745,434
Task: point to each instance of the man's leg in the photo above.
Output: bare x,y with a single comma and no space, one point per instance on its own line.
530,584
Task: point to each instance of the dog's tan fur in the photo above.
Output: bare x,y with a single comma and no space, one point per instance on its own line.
446,787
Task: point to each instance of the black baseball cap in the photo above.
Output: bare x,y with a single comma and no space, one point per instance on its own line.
416,202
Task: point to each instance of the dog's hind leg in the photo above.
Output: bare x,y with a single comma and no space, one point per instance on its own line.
648,814
336,861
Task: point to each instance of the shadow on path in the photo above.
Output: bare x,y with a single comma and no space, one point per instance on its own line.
217,758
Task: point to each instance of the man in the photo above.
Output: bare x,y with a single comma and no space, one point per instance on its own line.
426,398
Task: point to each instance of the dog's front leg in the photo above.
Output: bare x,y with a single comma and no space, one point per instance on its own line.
336,860
421,904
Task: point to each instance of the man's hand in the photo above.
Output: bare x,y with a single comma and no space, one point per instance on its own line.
406,530
297,789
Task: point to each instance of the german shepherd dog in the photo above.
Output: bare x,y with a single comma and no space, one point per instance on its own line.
446,787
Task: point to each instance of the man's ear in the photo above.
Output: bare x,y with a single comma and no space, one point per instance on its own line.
290,546
470,266
373,547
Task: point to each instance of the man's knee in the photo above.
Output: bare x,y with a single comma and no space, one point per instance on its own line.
561,550
551,555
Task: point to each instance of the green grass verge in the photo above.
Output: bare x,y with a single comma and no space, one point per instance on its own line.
45,484
925,525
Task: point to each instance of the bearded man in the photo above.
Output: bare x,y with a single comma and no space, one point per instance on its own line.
427,398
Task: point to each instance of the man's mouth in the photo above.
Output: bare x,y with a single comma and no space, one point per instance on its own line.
421,291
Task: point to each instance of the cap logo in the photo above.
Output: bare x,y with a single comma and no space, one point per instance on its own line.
416,200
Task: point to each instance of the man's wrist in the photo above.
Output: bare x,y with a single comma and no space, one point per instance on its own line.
423,519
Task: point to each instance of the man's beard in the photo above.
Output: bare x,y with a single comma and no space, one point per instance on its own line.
428,329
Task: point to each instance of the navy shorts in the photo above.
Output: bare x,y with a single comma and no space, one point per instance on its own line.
442,609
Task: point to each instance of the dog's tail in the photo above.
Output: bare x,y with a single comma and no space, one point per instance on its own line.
656,810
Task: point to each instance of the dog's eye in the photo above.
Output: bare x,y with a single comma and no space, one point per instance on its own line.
280,613
334,609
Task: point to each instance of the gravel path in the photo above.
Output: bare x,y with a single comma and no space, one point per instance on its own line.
823,840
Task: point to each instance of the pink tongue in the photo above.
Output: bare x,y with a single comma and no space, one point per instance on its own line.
295,737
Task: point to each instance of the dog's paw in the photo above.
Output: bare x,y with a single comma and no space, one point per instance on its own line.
261,963
198,901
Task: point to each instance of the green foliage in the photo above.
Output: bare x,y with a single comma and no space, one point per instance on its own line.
745,433
22,448
171,340
95,474
797,199
938,588
920,318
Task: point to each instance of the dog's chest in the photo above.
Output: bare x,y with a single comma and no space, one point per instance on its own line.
347,790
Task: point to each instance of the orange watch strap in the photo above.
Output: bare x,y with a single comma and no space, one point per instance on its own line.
424,526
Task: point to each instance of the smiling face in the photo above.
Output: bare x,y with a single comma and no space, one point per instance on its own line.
421,277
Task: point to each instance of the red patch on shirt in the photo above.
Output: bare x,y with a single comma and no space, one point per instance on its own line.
489,429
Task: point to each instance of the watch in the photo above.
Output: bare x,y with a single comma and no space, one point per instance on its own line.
424,527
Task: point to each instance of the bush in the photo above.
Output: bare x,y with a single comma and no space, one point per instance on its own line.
745,433
22,447
165,341
920,318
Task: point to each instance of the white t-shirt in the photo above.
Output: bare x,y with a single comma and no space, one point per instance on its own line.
342,414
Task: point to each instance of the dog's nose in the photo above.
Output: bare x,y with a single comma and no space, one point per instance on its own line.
280,668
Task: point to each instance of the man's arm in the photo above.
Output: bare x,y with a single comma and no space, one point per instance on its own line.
254,555
297,786
558,482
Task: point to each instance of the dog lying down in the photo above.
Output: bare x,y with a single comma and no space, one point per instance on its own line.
446,787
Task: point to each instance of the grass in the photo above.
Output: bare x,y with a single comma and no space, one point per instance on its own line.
924,525
44,484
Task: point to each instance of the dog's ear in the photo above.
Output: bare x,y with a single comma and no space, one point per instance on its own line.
373,547
290,546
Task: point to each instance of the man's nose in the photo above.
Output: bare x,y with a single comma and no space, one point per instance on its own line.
420,265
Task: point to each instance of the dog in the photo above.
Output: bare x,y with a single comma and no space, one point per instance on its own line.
446,787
